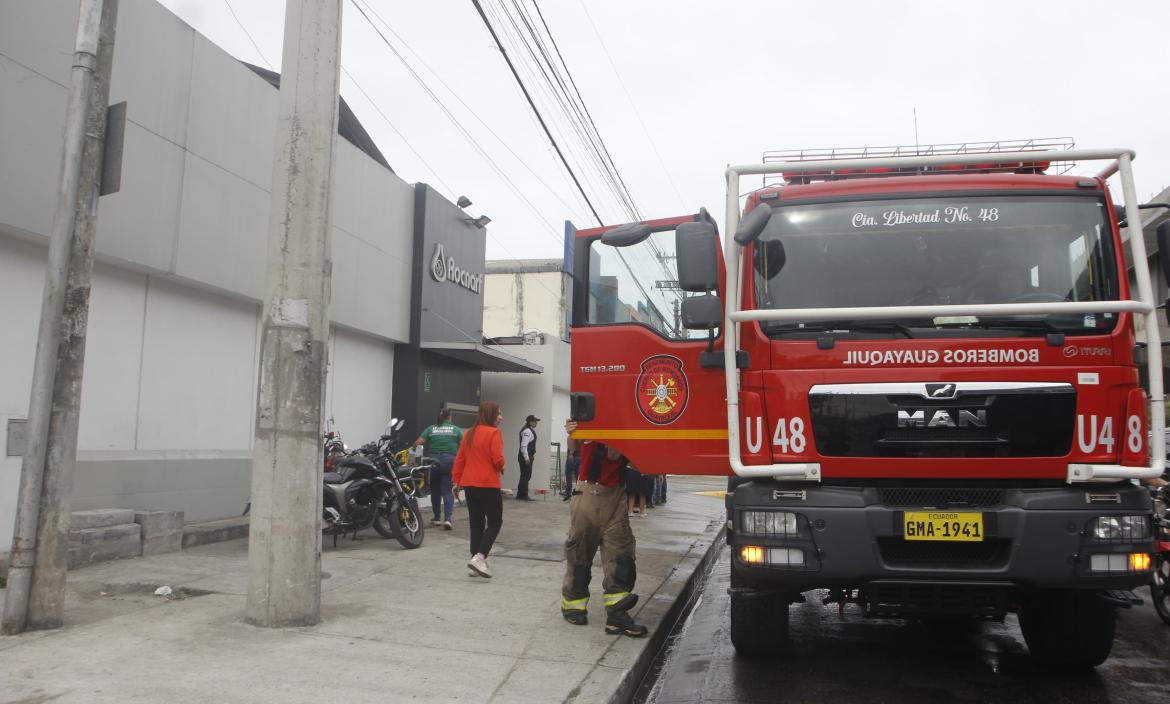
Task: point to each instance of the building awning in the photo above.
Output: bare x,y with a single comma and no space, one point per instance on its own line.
486,358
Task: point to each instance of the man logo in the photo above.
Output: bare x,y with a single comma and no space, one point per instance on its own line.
941,390
942,418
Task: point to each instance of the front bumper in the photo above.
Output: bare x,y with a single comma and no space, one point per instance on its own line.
852,536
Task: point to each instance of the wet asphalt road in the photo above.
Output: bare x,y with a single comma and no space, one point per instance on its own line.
852,659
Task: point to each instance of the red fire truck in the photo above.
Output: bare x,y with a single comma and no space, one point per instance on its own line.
917,368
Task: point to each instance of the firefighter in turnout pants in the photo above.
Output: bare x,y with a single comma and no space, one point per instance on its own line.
598,520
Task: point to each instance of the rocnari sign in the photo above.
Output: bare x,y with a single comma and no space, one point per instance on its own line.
444,269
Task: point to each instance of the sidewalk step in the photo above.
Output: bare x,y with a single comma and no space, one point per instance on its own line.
100,518
162,531
215,531
90,545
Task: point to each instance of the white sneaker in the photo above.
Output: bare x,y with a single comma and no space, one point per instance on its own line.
447,525
479,565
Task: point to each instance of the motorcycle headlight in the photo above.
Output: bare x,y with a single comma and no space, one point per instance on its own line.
1121,528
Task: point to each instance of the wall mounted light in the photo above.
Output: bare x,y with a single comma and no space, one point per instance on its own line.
480,222
463,201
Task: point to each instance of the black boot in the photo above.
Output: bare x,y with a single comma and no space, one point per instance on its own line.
577,618
619,623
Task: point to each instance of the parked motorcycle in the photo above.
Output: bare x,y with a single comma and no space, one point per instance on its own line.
370,488
1160,576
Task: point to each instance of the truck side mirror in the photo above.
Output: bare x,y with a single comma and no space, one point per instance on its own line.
697,246
753,224
703,312
626,235
1162,235
582,406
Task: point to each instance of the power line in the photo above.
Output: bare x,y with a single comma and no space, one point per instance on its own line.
247,34
622,83
463,130
531,104
585,107
373,104
473,113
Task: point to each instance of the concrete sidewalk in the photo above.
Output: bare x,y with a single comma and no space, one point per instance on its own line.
396,625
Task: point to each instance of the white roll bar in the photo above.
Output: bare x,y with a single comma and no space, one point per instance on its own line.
1144,305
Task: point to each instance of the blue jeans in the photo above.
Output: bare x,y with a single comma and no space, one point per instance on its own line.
441,486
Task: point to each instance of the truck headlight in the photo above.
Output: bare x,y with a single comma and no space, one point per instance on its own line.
1120,562
769,523
1121,528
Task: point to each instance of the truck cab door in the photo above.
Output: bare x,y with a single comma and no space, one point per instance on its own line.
647,372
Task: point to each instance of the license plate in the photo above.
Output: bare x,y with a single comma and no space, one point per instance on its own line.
943,525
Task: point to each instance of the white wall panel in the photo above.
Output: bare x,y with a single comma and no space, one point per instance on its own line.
233,115
223,233
197,380
139,223
22,281
361,385
40,34
32,120
113,358
157,101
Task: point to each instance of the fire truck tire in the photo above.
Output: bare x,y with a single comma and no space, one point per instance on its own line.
759,622
1069,629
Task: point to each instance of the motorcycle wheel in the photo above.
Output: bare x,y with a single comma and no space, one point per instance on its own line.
405,522
1160,587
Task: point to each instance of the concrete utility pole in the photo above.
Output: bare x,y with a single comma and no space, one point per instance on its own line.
37,563
284,543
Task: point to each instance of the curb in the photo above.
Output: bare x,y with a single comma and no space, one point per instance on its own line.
680,602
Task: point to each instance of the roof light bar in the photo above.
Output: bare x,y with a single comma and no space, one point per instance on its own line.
964,148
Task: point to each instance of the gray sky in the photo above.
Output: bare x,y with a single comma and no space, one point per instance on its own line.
694,86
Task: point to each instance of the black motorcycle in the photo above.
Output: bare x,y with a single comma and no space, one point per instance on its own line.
369,488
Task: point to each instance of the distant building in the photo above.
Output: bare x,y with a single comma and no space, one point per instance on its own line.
526,313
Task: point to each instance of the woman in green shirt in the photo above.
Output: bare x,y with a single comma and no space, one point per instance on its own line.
442,442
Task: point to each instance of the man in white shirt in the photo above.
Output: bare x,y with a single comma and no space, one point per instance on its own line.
525,456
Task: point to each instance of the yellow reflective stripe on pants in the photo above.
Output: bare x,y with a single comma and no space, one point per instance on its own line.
611,599
574,604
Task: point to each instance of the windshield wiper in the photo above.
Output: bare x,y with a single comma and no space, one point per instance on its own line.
1007,323
843,326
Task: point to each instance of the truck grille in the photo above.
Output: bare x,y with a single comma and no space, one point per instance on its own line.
940,497
975,419
990,553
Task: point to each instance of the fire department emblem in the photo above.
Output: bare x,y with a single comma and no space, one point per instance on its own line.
662,389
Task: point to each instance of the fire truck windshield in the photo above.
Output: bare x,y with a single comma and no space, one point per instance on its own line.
949,250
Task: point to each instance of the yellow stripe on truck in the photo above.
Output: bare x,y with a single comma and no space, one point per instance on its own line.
696,434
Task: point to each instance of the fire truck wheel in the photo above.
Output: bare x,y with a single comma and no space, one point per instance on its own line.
759,621
1069,629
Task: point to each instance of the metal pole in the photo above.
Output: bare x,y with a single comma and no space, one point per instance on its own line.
22,557
284,548
46,608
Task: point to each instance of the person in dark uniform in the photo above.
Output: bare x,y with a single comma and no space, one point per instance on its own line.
598,520
526,455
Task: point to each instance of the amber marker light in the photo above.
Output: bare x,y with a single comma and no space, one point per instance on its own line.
754,554
1139,561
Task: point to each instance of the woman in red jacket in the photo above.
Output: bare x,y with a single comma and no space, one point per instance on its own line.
477,469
